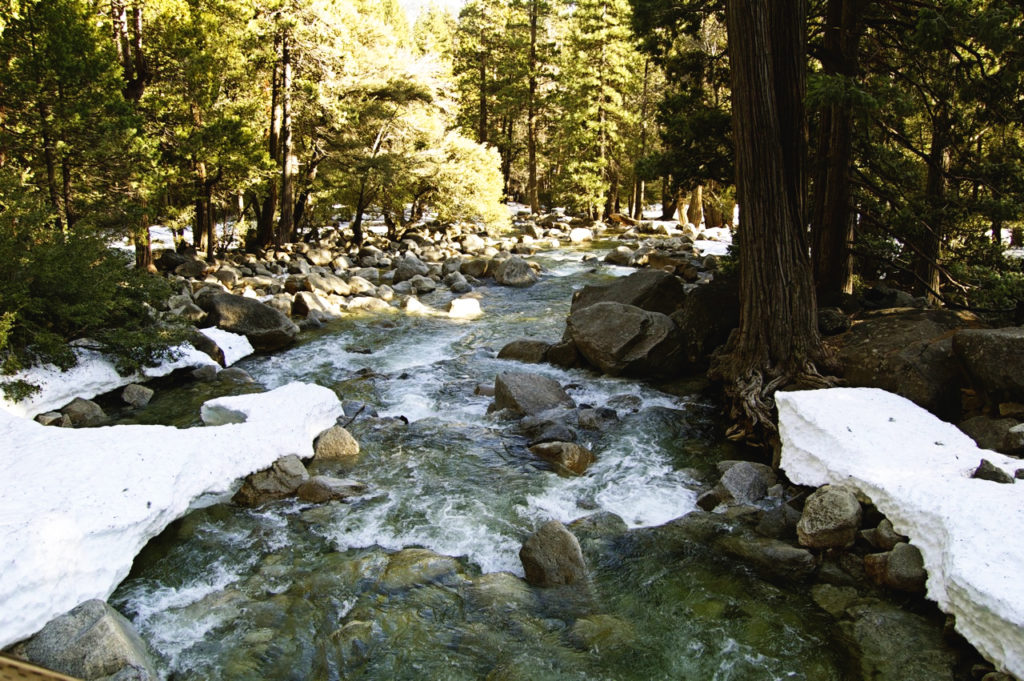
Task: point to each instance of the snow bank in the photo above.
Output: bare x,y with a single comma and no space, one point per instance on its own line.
76,506
95,374
917,470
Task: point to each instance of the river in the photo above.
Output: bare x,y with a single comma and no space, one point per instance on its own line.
299,591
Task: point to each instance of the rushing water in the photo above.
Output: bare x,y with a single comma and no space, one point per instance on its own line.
299,591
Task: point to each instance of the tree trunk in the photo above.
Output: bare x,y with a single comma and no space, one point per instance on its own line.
265,219
532,196
695,213
929,243
777,341
668,203
832,216
482,120
289,168
201,230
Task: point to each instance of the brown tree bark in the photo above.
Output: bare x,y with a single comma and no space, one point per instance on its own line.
929,243
265,220
832,215
777,341
532,196
289,167
695,213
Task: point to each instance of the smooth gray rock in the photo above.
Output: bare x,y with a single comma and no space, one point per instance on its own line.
92,641
745,482
651,290
84,413
552,557
266,328
831,518
525,350
526,394
137,395
514,272
626,340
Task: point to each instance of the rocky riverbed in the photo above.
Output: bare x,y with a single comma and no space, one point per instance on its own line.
479,416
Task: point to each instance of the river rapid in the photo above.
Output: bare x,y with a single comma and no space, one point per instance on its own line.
420,578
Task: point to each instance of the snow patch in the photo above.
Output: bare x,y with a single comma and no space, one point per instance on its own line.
77,505
917,471
96,374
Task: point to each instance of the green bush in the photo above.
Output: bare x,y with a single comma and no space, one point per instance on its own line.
57,288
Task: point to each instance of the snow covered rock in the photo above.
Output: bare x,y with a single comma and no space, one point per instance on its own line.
917,470
76,506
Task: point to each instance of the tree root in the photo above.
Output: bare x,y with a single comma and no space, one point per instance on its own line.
752,398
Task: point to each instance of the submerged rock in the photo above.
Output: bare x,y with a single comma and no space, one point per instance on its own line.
322,488
552,557
567,458
414,567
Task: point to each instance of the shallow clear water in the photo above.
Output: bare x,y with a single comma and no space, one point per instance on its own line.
298,591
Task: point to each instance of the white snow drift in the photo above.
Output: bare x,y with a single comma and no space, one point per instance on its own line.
77,505
917,470
95,374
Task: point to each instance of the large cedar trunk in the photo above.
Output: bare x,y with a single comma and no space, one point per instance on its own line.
777,341
832,215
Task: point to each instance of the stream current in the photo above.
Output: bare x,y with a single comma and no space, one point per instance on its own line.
411,580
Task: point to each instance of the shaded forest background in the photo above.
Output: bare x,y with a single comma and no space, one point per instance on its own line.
277,117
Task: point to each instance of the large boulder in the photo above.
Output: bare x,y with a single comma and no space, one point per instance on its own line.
266,328
626,340
515,272
84,413
908,352
831,518
409,267
552,557
991,357
707,315
93,641
527,394
527,350
652,290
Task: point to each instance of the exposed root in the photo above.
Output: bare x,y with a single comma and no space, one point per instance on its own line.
752,398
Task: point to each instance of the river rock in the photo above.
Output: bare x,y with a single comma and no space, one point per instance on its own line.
476,268
526,350
552,557
464,308
54,418
500,593
335,444
651,290
601,633
986,470
277,482
988,432
908,352
567,458
895,645
92,642
596,419
322,488
745,482
987,354
266,328
527,394
578,235
626,340
902,568
136,395
883,537
84,413
831,518
622,255
515,272
770,556
414,567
